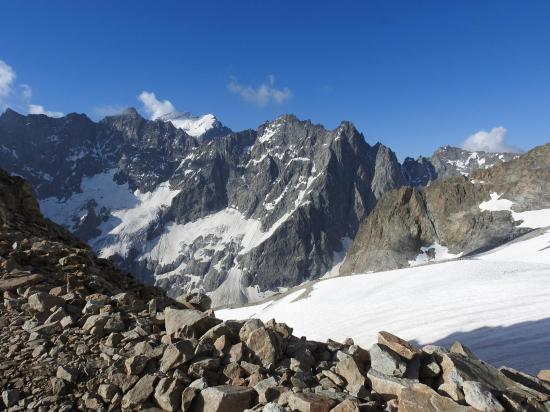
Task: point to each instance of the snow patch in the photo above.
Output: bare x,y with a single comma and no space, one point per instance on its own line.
531,219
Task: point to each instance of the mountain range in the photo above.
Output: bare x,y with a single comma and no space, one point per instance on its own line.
185,203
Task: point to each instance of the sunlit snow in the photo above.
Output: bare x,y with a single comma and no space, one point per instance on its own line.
496,302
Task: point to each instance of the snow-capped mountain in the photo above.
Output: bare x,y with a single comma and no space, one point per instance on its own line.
205,126
448,161
240,215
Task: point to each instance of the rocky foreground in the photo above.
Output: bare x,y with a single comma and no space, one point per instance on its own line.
79,335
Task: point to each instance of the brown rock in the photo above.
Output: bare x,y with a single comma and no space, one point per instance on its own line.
20,282
544,375
387,386
349,369
168,394
225,398
398,345
42,302
177,354
189,323
310,402
187,397
421,398
265,345
140,392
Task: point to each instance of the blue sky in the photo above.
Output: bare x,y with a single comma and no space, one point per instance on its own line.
412,74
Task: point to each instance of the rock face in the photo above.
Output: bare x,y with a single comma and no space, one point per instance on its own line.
120,350
448,217
215,212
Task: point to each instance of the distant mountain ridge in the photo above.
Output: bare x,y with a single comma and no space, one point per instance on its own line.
238,214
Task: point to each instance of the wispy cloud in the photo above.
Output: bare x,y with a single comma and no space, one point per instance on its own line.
261,95
492,141
154,107
38,109
18,95
108,110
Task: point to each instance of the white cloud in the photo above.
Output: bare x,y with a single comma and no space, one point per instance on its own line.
261,95
154,107
7,77
18,96
493,141
38,109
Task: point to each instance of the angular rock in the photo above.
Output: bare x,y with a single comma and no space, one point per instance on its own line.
67,374
168,394
398,345
43,302
177,354
225,398
135,364
188,395
20,282
265,345
266,390
387,386
248,327
189,323
10,397
544,375
479,396
352,373
384,360
140,392
107,391
310,402
421,398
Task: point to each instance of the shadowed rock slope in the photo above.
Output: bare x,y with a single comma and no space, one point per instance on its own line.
77,334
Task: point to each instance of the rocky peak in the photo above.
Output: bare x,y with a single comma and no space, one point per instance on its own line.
450,161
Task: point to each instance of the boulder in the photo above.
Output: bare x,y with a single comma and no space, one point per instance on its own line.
20,282
480,397
140,392
43,302
225,398
266,390
398,345
67,374
176,354
385,360
310,402
544,375
135,364
265,345
248,327
188,395
421,398
387,386
10,397
352,373
189,323
168,394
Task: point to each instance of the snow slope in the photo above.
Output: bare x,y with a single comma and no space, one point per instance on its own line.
192,125
496,302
